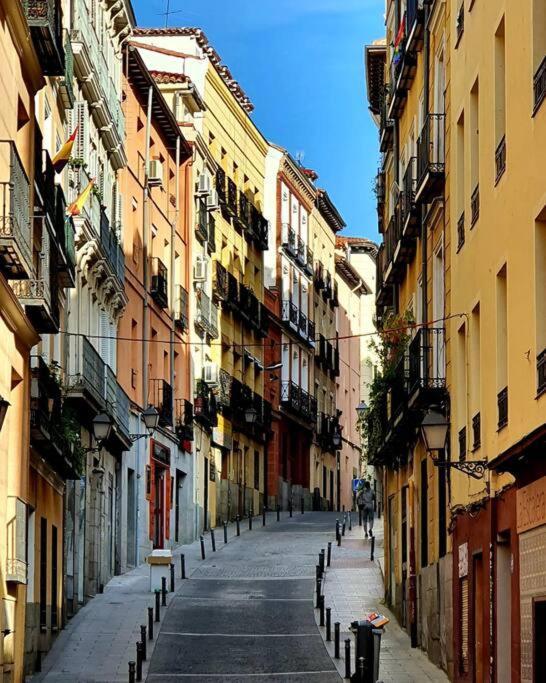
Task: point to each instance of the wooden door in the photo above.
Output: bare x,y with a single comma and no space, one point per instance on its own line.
478,622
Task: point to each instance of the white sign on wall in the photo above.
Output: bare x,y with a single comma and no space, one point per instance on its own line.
463,560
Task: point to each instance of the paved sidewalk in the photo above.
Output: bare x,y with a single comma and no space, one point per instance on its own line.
100,640
353,587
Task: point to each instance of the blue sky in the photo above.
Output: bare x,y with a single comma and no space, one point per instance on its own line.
302,64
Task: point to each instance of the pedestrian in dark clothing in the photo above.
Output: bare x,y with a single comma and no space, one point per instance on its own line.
366,499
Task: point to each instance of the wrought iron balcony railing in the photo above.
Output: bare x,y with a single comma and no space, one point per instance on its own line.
427,359
301,255
539,85
288,238
86,377
290,313
183,419
15,223
181,311
161,397
500,159
431,158
159,288
112,248
221,185
460,232
309,263
206,314
231,202
220,282
44,18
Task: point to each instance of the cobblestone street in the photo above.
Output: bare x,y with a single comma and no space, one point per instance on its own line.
246,612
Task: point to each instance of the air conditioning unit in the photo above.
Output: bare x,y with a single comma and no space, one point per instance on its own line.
155,175
203,184
210,373
200,269
213,202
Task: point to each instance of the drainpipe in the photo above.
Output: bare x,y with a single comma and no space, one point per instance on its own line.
145,311
172,267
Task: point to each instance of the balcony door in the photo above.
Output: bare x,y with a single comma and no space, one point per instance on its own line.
439,108
438,294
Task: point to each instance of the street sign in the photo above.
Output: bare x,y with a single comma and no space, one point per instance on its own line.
358,484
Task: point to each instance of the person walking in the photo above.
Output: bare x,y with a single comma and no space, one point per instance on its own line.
366,499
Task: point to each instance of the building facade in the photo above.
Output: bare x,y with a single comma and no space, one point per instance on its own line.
157,502
407,79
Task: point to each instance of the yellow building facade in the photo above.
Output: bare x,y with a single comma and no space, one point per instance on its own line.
406,77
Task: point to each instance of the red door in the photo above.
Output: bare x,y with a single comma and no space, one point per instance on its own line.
159,506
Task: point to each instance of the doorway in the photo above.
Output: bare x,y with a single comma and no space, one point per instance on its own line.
477,619
206,495
159,506
504,611
131,518
331,490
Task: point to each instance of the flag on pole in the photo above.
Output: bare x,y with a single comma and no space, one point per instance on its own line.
397,56
60,159
76,207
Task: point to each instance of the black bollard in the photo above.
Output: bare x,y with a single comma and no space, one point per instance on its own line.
132,672
143,641
339,538
172,578
225,532
372,548
350,522
182,566
359,516
151,623
250,520
337,528
302,505
328,624
278,513
263,516
348,658
238,520
336,640
329,555
290,508
157,592
319,591
361,669
321,608
163,591
202,547
321,560
343,529
213,540
139,661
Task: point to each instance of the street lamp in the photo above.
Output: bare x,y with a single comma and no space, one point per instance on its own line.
361,409
150,416
102,427
250,415
336,438
4,405
434,429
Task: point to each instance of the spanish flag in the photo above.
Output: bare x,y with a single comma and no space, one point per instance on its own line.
60,159
76,207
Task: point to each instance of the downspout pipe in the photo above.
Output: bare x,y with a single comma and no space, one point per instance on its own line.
172,289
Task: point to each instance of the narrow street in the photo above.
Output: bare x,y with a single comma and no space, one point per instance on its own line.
248,612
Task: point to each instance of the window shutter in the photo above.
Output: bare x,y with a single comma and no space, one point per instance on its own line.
167,504
104,342
81,144
464,626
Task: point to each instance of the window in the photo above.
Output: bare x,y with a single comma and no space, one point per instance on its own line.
475,368
500,102
502,346
461,179
257,470
475,153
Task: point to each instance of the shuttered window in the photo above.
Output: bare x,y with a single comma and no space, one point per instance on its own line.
81,144
464,655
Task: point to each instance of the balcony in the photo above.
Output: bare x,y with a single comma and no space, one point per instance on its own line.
311,333
232,300
431,159
309,262
288,239
86,377
409,214
327,291
539,86
44,20
201,227
380,198
221,186
301,256
500,159
318,278
64,228
206,318
263,323
48,427
399,249
183,419
541,372
117,406
415,25
159,285
66,85
181,309
386,125
289,314
427,373
112,249
15,223
475,206
204,405
161,397
502,408
261,231
297,401
220,283
476,431
327,427
231,201
403,70
243,213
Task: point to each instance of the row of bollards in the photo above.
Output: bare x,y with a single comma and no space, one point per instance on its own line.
325,613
